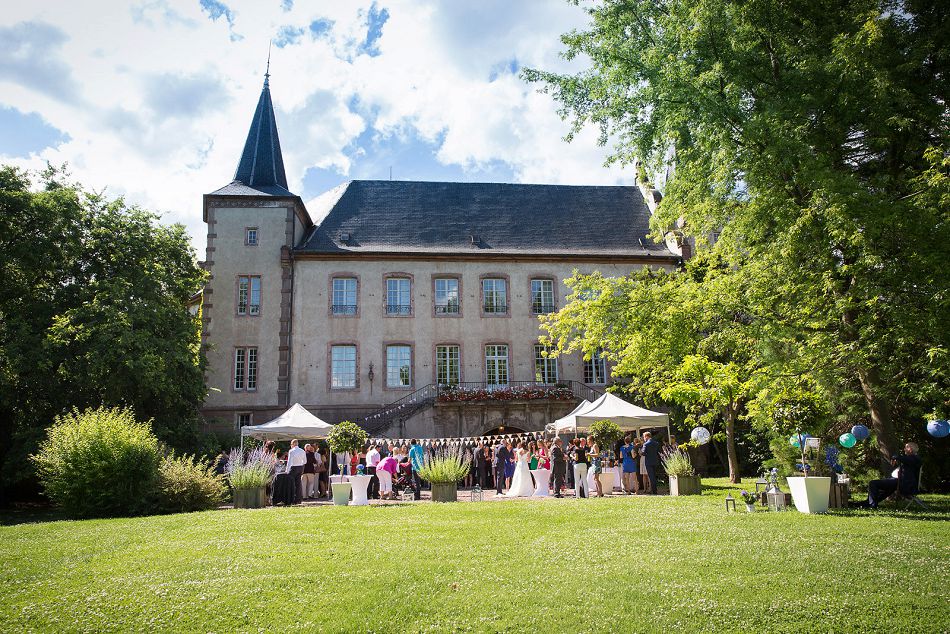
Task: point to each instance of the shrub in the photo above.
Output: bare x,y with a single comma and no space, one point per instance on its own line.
605,433
677,463
252,470
99,463
447,466
187,484
347,437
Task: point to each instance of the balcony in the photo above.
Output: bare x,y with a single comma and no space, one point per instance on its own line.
539,308
495,309
515,391
343,309
447,309
399,310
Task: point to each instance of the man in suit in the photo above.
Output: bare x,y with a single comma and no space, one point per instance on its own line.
559,465
651,459
481,466
501,458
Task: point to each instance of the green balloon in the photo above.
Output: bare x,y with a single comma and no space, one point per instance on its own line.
847,440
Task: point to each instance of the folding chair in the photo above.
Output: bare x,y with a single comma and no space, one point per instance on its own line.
911,498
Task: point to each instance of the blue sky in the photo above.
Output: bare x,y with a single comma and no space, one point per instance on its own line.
152,99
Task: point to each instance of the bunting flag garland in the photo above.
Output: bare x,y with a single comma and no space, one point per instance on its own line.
466,441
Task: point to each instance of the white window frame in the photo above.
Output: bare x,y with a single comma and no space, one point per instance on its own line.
444,296
343,367
542,297
398,296
594,369
497,364
496,288
345,299
244,375
545,368
448,358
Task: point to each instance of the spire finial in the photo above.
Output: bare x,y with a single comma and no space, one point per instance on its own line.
267,72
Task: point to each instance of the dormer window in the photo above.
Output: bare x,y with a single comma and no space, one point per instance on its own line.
250,236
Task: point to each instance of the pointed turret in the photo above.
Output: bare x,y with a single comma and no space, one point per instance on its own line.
262,166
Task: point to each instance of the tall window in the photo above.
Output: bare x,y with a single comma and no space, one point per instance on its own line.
250,236
243,419
245,369
249,295
495,296
344,296
542,297
595,370
447,296
545,367
398,366
397,296
343,367
447,367
496,365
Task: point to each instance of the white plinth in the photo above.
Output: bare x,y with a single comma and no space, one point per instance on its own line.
541,479
810,495
360,484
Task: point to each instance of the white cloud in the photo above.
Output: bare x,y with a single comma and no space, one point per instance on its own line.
156,97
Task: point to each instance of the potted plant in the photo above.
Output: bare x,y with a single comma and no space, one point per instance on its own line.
750,499
346,437
810,492
443,471
683,478
249,476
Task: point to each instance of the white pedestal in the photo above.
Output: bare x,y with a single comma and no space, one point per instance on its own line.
541,479
607,477
810,495
341,492
360,484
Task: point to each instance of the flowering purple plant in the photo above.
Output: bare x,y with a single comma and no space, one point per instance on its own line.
749,497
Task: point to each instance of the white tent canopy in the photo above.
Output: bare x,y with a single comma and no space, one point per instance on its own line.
625,415
296,422
568,420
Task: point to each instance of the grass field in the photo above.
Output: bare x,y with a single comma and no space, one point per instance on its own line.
616,564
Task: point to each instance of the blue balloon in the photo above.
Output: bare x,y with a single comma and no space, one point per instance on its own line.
938,428
860,432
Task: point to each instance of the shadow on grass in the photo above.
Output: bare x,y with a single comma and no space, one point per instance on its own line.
32,514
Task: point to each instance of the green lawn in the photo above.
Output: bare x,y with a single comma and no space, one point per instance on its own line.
617,564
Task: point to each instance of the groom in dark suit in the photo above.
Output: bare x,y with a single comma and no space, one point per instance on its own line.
501,457
651,459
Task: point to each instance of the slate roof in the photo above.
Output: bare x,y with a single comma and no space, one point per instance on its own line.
261,168
399,217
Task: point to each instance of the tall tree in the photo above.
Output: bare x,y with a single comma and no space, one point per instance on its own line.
93,310
811,138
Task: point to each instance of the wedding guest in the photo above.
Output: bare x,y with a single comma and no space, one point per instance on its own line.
471,475
502,456
221,466
907,480
481,460
510,465
385,471
596,468
533,455
628,457
544,455
650,461
309,473
580,469
372,459
323,471
296,459
417,459
559,464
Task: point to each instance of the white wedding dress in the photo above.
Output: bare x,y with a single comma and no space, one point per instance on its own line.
521,485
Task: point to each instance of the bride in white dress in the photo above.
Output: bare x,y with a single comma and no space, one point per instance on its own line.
521,485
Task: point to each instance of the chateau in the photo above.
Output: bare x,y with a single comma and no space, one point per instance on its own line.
408,307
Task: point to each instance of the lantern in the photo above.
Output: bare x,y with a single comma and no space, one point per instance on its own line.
775,499
477,494
407,495
700,435
730,503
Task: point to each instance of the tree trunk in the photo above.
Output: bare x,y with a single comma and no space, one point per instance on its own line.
879,408
734,476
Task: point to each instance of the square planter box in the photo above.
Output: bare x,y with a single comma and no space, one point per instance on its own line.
810,495
250,498
444,492
685,485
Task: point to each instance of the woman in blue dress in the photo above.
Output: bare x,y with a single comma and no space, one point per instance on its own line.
628,455
509,466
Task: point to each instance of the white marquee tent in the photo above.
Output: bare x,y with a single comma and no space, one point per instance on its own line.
567,421
625,415
296,422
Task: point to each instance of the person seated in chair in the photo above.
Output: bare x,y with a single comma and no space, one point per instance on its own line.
907,481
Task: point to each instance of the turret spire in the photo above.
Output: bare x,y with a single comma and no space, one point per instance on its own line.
262,165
